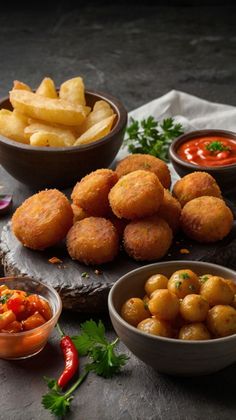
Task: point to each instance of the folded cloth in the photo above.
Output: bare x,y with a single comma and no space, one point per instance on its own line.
192,112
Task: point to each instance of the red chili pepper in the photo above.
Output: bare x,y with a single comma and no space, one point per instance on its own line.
71,359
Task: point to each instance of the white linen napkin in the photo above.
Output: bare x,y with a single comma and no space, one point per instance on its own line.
192,112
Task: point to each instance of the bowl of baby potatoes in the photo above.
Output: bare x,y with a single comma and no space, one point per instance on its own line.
53,137
177,316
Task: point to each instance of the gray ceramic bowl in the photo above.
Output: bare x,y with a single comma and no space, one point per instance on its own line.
224,175
167,355
41,167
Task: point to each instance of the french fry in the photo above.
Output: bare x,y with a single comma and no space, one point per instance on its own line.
48,109
21,86
73,91
12,125
101,110
43,138
47,88
66,134
96,132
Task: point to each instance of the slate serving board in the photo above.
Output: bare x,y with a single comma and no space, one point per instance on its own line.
89,294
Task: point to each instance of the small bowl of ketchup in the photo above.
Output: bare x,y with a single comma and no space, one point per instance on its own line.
212,151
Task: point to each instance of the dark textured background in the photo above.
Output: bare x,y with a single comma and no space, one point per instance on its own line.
137,53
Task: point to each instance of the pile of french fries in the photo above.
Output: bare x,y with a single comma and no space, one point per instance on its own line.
48,118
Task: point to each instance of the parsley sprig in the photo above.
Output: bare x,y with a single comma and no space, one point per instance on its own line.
152,137
103,360
217,146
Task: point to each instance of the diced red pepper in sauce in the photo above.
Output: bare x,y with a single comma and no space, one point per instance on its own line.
209,151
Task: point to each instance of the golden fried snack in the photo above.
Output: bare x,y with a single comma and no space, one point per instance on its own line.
91,193
206,219
79,213
137,194
145,162
196,184
147,239
93,240
119,224
43,219
170,210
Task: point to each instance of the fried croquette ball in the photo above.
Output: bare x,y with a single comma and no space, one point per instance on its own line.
221,320
91,193
194,331
155,326
206,219
170,210
138,194
133,311
119,224
145,162
164,305
217,292
183,283
147,239
155,282
194,308
43,219
79,213
93,240
196,184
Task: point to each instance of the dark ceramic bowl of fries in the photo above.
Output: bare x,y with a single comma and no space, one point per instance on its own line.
41,167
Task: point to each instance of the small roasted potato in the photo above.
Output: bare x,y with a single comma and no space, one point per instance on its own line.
133,311
147,239
73,91
138,194
221,320
91,193
164,305
93,240
183,283
194,308
217,292
47,109
145,162
97,131
43,219
21,86
194,331
47,88
231,284
155,326
170,211
100,112
195,184
79,213
155,282
206,219
12,125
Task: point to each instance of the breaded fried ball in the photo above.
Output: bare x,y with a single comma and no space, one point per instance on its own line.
138,194
170,211
206,219
93,240
196,184
119,224
79,213
43,219
145,162
91,193
147,239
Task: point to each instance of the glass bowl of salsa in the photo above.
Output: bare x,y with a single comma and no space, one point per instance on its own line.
212,151
29,311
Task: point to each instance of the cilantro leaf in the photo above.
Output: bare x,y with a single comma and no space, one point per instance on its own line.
4,298
152,137
217,146
57,403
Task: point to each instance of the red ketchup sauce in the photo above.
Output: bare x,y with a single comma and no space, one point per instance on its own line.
209,151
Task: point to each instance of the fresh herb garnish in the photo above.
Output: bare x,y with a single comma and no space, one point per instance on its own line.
146,305
185,276
191,287
203,279
152,137
178,284
217,146
92,342
85,274
4,298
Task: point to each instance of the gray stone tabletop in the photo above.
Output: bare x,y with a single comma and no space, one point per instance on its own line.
137,53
